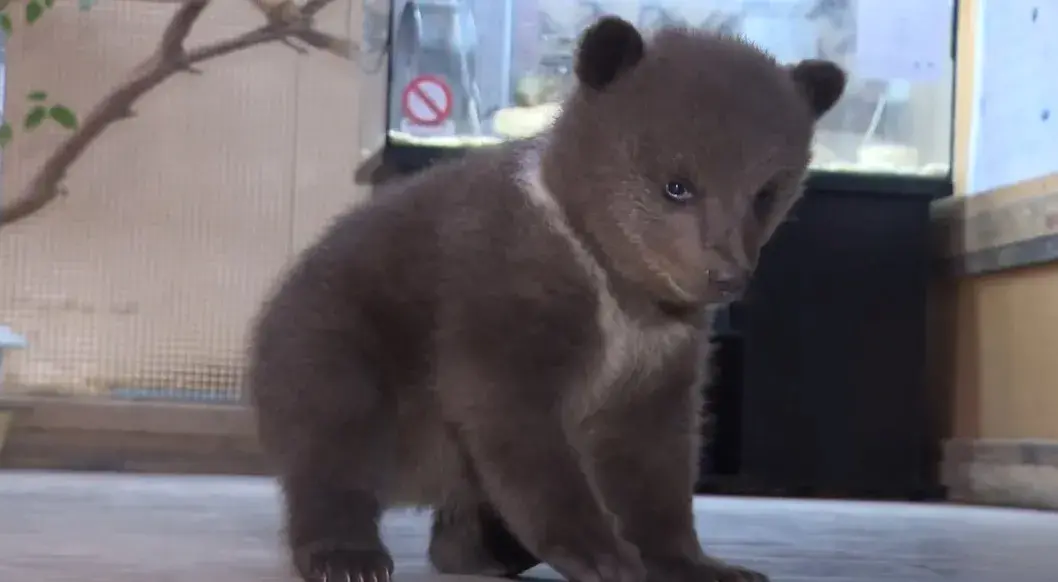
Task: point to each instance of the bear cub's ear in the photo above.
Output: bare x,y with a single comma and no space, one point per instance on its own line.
821,82
607,48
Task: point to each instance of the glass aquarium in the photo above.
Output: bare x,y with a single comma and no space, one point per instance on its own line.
465,73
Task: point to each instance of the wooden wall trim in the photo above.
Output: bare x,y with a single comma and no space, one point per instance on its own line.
73,413
1006,228
965,89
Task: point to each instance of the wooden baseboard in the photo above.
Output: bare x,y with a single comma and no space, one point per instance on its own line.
1017,473
140,437
144,437
7,417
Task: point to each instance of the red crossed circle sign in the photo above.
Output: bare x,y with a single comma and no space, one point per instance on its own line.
427,100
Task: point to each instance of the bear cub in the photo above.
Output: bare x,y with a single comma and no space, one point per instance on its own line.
516,339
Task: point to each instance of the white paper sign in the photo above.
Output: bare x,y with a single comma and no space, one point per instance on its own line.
904,39
1014,135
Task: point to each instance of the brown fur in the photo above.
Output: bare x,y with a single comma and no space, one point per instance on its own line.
514,339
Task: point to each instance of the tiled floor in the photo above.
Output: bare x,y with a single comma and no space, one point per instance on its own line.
120,528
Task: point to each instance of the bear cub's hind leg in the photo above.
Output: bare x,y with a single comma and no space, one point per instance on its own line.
470,538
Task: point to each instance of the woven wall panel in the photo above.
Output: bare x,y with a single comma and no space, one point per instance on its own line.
177,221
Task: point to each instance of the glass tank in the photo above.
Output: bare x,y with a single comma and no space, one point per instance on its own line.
464,73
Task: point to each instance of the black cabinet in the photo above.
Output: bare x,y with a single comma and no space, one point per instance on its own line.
830,350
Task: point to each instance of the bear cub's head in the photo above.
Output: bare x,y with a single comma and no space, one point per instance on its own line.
677,157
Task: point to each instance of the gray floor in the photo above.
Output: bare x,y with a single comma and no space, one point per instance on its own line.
117,528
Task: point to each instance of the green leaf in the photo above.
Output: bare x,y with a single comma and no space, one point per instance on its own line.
49,3
5,23
6,134
63,116
34,10
37,96
35,116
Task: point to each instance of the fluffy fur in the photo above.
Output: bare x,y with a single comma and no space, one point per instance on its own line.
516,338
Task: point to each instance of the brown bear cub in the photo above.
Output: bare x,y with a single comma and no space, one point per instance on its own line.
515,339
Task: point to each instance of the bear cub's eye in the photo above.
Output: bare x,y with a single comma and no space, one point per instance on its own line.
679,191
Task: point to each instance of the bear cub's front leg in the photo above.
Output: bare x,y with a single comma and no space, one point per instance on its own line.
333,528
646,465
528,470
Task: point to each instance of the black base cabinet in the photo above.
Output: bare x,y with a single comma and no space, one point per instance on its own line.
820,373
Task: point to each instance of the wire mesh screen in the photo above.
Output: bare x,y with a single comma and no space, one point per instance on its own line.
141,282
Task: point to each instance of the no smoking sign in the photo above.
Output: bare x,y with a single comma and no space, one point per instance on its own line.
427,101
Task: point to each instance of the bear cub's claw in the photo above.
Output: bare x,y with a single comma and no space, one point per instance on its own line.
345,565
